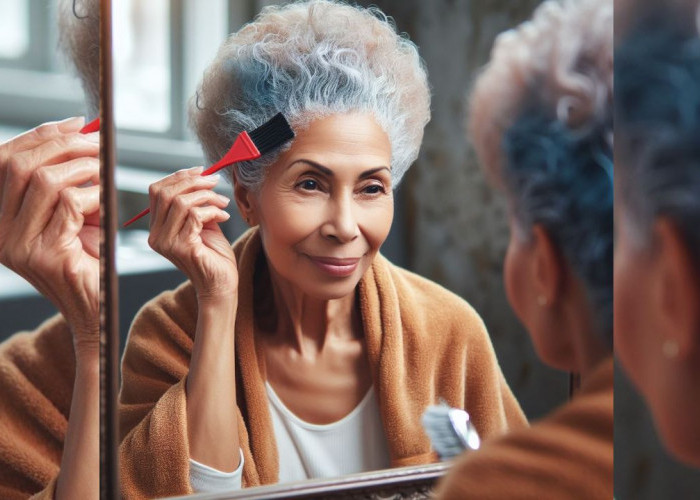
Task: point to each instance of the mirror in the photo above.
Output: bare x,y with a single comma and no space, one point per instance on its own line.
448,226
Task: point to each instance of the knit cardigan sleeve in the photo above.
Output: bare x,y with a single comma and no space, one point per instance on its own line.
154,454
37,370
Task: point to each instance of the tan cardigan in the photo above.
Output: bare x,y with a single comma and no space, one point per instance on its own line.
37,372
423,342
567,455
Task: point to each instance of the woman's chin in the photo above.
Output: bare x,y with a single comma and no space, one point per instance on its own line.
330,291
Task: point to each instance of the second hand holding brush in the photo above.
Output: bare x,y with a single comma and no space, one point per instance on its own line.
248,146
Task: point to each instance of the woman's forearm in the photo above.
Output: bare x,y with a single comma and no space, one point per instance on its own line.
212,425
79,476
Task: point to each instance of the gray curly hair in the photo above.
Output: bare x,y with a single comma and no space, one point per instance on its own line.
541,124
308,60
657,109
79,40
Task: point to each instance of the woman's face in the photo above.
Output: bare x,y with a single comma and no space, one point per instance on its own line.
655,300
326,206
519,275
634,330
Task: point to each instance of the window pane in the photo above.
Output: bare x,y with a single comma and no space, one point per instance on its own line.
142,64
14,28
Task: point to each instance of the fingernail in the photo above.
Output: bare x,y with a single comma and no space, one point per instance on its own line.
196,170
214,178
70,124
224,199
92,137
226,214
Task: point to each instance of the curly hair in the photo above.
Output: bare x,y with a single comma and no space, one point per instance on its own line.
658,112
79,40
541,124
307,60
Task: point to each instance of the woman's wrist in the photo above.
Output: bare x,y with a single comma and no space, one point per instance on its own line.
86,345
219,297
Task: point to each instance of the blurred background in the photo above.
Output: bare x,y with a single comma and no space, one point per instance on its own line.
35,87
449,226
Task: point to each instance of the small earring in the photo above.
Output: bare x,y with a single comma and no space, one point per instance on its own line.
670,349
542,300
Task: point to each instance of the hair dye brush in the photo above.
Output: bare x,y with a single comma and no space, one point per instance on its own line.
248,146
93,126
450,430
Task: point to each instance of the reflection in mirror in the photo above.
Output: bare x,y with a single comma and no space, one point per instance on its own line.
549,149
657,280
49,237
232,379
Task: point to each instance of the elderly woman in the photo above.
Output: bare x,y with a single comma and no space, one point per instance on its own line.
657,255
49,234
541,123
301,352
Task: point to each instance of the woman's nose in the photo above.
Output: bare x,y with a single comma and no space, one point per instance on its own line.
341,224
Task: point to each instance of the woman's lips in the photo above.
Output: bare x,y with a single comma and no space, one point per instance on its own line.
336,267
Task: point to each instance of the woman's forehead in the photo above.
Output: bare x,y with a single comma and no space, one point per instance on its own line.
344,136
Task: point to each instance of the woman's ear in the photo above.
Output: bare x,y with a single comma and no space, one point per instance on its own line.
548,271
675,291
244,201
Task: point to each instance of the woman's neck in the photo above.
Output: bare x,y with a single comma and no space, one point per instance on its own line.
303,322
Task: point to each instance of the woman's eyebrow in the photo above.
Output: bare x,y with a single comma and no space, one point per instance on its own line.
327,171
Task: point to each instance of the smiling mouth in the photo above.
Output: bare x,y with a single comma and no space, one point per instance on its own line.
336,267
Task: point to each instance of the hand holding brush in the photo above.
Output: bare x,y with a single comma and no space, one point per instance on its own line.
247,146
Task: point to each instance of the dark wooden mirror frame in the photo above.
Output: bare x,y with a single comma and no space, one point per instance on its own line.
109,307
414,483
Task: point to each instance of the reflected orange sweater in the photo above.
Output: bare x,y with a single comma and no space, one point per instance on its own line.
37,372
567,455
423,342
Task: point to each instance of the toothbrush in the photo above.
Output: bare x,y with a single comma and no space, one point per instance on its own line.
450,430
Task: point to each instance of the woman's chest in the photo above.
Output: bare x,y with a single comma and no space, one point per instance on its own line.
321,388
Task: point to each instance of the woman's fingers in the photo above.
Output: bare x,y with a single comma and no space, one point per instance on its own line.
36,136
164,192
197,219
20,167
183,204
30,140
45,186
74,204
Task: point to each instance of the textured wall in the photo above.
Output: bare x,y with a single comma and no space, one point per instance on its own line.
455,225
643,469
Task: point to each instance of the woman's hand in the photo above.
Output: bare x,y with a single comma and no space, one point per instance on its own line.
49,221
185,213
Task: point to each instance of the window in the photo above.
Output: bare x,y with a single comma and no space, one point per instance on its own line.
14,26
35,85
161,50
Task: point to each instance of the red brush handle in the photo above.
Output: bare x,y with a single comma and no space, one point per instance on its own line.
243,149
93,126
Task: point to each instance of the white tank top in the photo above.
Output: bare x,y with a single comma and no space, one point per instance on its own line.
355,443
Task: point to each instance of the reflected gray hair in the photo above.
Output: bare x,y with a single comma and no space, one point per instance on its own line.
658,112
541,123
79,40
308,60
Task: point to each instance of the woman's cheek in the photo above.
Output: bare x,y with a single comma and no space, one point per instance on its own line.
376,222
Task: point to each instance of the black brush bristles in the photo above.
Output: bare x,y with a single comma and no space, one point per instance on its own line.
271,134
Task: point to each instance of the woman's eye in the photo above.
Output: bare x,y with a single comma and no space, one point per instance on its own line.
308,185
373,189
